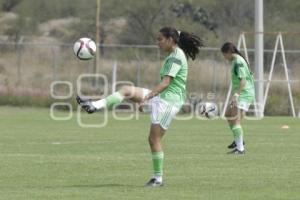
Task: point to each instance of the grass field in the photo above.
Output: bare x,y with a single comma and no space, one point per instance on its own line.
46,159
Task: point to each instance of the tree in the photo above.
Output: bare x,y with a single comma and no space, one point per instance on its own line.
197,15
144,22
9,5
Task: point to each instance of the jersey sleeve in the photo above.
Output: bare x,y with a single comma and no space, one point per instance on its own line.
172,67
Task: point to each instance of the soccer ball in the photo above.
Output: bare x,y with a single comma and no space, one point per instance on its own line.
208,109
85,48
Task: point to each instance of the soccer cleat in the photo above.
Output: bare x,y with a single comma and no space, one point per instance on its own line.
86,104
236,151
154,183
233,145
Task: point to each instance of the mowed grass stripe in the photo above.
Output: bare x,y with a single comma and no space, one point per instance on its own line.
46,159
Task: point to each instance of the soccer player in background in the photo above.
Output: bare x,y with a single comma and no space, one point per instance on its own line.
242,95
166,99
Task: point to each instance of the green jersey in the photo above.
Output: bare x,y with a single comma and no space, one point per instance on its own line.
239,70
175,65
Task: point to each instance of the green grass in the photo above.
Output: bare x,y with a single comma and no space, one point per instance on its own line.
46,159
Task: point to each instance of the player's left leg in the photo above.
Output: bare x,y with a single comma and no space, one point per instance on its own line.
135,94
238,132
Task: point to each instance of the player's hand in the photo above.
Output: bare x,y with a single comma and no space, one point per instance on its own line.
141,104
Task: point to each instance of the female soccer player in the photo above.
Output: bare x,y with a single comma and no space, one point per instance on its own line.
243,94
166,98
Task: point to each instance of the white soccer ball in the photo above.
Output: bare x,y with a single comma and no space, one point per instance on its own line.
85,48
208,109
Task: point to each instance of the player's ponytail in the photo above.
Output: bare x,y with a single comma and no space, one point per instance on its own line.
188,42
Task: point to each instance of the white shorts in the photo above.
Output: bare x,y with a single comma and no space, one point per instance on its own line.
243,105
161,111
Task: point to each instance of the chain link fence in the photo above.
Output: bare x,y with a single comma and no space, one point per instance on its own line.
29,69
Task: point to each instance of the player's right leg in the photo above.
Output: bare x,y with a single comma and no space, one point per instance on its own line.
162,114
155,136
228,115
135,94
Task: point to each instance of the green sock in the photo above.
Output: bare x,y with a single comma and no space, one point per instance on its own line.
238,137
114,99
157,159
237,131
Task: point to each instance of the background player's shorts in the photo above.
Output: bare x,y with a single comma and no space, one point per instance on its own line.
244,103
245,100
161,111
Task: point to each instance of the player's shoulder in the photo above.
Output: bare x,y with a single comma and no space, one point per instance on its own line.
177,53
240,60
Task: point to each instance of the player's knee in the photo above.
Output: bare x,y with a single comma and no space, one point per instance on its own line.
126,90
231,117
152,140
228,114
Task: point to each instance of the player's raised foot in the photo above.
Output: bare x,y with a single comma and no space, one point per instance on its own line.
236,151
233,145
153,182
86,104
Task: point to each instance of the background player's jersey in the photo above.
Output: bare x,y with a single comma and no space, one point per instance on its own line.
239,70
175,65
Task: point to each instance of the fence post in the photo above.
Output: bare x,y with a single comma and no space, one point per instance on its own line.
54,64
114,76
19,57
138,74
214,89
